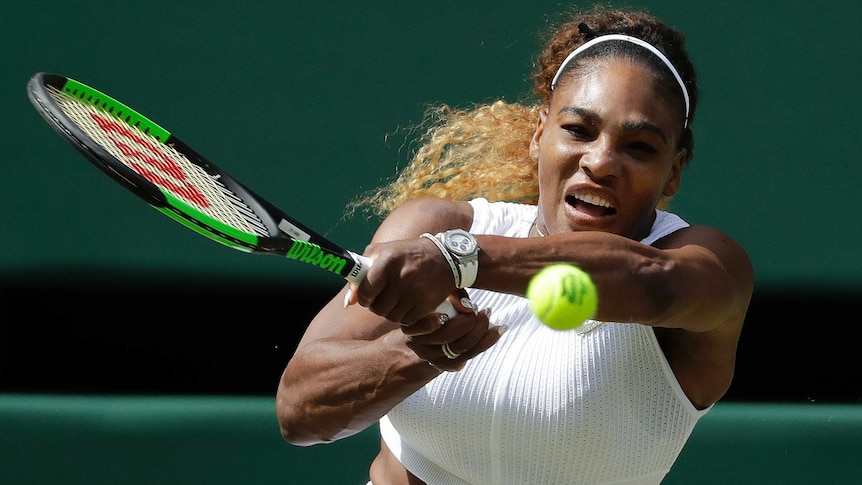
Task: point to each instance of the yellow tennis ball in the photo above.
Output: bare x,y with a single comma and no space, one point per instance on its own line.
562,296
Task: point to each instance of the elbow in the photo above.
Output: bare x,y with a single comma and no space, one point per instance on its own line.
298,428
294,425
293,432
294,436
290,432
289,426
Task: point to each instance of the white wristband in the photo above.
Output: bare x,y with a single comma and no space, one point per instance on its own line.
455,272
471,271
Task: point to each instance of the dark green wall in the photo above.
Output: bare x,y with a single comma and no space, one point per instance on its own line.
137,440
302,101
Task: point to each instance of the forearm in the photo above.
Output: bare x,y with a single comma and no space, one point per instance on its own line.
332,388
634,280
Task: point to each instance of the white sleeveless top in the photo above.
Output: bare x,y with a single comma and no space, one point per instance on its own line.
544,407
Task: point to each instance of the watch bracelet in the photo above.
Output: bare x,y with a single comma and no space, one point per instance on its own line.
452,265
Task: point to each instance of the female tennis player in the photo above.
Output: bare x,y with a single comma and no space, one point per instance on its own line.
494,194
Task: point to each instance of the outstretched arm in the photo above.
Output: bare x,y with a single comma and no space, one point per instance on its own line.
695,278
694,286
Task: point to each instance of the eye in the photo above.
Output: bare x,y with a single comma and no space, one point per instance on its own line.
642,148
578,131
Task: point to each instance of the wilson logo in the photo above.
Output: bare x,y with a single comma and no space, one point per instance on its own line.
147,160
311,253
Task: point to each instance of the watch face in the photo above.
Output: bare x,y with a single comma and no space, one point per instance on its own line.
461,243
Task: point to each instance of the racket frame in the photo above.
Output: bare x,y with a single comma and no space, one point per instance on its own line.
288,237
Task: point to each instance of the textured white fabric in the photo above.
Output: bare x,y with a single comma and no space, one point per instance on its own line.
546,407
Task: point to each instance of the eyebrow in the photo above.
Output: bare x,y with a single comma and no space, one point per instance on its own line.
594,118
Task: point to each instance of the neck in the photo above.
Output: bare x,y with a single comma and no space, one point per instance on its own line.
540,228
537,229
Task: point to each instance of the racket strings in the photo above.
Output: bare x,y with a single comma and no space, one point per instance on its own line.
161,164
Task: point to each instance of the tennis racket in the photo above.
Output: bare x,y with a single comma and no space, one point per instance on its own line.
179,182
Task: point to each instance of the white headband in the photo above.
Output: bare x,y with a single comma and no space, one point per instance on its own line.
633,40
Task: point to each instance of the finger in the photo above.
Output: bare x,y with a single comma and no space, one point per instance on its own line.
420,309
485,341
468,340
447,359
435,330
463,331
389,309
488,339
434,355
350,297
385,303
433,321
426,325
462,302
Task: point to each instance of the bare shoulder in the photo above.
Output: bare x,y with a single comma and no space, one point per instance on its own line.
717,245
701,235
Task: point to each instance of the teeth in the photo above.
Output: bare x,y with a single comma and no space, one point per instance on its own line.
594,200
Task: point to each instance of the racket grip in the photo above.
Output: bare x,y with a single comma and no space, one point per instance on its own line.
361,269
447,307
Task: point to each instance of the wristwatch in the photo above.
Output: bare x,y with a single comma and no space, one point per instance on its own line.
464,249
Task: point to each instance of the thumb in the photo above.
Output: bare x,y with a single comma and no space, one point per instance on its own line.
461,301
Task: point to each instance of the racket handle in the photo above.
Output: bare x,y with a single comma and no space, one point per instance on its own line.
363,264
447,308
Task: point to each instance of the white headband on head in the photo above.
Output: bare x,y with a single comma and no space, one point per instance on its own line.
634,40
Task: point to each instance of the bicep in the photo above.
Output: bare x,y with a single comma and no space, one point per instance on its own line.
424,214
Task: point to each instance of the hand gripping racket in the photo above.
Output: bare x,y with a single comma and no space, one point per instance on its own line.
179,182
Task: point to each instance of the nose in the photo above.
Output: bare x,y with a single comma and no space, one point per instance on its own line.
600,160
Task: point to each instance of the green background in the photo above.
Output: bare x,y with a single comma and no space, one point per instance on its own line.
90,440
304,102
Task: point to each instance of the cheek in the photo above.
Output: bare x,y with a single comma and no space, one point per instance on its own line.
545,165
549,186
647,186
551,170
546,181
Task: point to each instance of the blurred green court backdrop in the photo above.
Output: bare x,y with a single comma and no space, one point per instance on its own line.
306,103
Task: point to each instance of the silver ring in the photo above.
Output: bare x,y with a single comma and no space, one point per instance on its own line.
442,319
447,351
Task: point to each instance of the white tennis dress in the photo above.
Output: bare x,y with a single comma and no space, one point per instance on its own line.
544,407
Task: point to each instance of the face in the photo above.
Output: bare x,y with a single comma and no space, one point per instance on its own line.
606,151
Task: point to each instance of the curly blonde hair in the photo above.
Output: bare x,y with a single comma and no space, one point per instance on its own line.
484,151
480,152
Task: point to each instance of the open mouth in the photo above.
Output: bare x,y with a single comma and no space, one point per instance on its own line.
591,205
